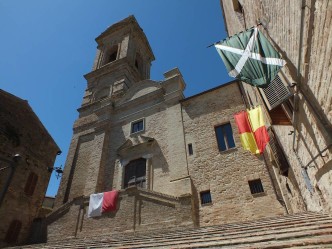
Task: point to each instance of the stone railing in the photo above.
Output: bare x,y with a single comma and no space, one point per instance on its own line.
137,210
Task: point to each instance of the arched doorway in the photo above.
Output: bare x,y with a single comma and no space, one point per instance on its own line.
135,173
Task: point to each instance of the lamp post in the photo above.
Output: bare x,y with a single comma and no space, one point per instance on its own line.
12,166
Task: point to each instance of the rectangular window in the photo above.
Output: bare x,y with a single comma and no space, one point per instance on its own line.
206,197
13,231
256,186
279,116
190,149
31,184
137,126
224,137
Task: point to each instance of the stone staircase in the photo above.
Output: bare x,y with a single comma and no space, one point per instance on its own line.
306,230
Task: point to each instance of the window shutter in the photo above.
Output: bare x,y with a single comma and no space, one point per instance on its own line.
276,92
13,231
278,154
31,184
135,173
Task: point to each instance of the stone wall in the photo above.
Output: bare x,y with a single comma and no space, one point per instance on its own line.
138,210
103,144
167,162
300,30
224,173
22,133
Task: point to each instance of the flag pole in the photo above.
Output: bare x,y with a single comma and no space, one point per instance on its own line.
213,44
258,24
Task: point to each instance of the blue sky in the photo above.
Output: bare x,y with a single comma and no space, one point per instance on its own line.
47,46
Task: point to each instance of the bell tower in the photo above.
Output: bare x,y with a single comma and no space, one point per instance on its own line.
124,39
123,58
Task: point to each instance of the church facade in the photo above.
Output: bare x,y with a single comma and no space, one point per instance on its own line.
176,161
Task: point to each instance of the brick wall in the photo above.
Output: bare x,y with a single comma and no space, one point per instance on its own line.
283,22
37,152
225,173
137,210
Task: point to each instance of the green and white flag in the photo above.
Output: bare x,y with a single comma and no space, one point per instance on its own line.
250,57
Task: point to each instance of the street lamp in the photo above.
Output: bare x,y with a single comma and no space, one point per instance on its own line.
58,171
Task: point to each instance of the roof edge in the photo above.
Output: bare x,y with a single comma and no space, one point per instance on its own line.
127,21
26,103
210,90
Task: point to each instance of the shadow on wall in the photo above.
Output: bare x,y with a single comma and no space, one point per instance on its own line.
159,160
107,169
195,204
303,120
323,124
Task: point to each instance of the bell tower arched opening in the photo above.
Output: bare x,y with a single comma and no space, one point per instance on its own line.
111,54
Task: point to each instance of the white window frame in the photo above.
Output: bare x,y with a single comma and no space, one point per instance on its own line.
136,121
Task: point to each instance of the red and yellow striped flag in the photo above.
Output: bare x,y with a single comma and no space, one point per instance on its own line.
245,131
258,127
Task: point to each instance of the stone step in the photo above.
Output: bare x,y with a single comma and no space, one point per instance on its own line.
233,240
184,238
226,227
327,246
209,235
238,229
279,219
213,229
198,235
299,230
225,233
315,242
150,243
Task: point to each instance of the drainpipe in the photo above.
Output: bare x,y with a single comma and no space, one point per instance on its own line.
12,166
297,87
184,138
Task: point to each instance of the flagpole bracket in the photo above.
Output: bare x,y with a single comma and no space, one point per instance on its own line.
262,22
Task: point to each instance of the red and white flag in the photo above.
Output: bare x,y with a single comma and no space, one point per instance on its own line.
102,202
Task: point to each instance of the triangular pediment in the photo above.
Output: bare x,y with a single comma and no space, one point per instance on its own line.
135,141
126,145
